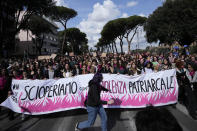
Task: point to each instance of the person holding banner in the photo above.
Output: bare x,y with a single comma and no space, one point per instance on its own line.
94,104
148,68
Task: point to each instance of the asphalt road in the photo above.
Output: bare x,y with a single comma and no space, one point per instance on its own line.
118,120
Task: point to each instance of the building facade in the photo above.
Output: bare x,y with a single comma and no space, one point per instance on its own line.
26,44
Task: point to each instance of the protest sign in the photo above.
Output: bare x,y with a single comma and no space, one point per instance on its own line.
94,54
44,57
71,54
53,56
103,54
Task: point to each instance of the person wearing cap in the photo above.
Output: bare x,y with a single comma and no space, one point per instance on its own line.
94,104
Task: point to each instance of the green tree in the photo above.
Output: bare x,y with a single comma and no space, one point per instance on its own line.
22,10
26,8
121,28
109,35
76,40
60,38
175,20
131,26
38,26
62,14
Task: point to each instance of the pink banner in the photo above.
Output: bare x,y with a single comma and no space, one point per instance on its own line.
36,97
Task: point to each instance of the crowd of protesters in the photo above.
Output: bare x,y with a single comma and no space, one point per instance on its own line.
132,64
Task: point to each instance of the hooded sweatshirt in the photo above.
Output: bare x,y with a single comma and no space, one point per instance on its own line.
94,94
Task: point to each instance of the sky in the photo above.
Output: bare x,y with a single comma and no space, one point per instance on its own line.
94,14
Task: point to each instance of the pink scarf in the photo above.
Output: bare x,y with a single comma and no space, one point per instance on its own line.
192,73
121,68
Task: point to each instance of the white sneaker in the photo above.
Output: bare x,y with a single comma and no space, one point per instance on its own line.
23,117
76,127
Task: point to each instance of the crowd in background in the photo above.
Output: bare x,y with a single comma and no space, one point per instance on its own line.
133,64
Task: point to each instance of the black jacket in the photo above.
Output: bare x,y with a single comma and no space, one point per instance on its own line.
182,78
94,94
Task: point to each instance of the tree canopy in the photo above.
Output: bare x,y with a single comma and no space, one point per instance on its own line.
62,14
29,8
38,26
174,21
76,40
18,12
119,29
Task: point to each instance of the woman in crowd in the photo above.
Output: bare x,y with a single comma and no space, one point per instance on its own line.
133,70
156,67
161,65
120,69
155,61
39,74
16,75
166,64
94,65
105,68
186,96
67,72
140,64
84,69
25,75
148,68
191,91
182,81
192,76
76,70
192,73
193,59
115,63
32,72
108,68
49,73
89,67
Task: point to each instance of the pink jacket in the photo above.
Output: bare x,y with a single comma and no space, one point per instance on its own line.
2,82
